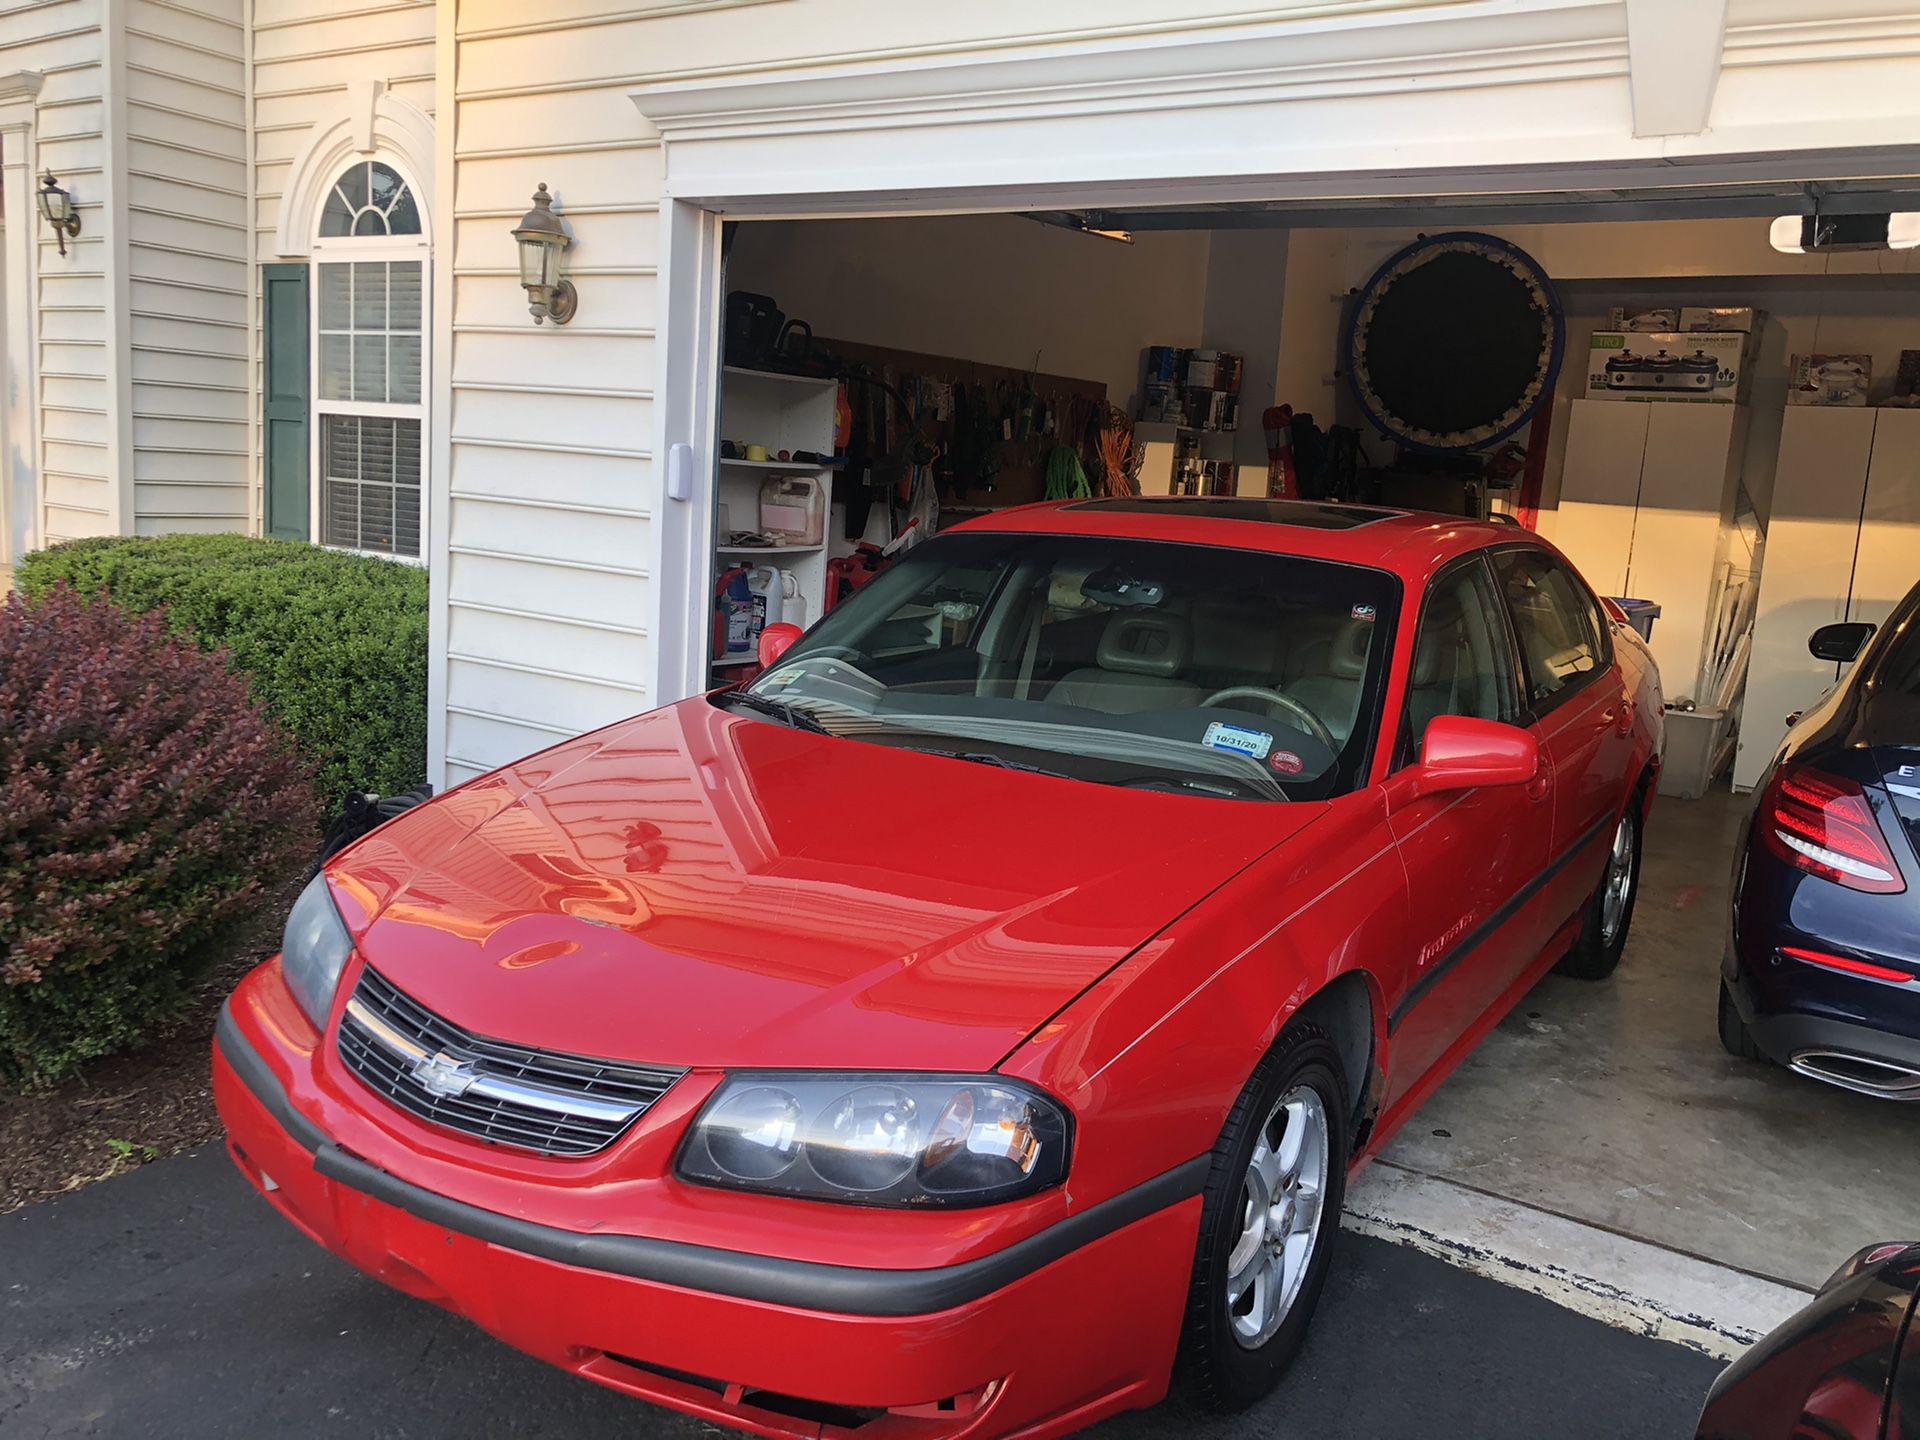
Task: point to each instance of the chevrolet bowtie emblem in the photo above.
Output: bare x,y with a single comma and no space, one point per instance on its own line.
443,1075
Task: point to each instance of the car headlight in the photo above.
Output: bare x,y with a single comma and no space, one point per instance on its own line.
907,1140
314,950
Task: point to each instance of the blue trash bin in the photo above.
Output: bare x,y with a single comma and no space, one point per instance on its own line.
1640,614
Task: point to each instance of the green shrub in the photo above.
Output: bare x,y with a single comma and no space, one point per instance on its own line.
148,807
334,645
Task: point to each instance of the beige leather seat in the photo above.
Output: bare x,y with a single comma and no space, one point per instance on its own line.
1142,654
1334,695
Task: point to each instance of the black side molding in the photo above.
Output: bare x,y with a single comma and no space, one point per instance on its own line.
801,1284
1468,942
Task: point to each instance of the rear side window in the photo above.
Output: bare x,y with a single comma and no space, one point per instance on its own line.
1562,639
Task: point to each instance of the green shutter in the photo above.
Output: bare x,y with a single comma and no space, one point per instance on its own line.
289,399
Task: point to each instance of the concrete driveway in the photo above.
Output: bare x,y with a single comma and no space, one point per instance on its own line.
173,1302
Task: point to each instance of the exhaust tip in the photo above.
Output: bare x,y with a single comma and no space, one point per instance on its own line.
1883,1078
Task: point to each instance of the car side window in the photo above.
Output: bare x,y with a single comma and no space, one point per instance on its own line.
1462,660
1561,633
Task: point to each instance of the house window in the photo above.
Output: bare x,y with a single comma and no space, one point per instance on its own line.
369,363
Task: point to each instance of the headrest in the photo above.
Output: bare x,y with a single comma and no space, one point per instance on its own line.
1348,658
1146,642
1229,634
1433,651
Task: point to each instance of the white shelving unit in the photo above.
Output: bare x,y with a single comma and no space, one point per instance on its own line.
781,412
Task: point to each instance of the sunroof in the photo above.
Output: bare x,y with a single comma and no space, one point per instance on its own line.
1307,513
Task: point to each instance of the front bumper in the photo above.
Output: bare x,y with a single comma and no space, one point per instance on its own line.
1057,1330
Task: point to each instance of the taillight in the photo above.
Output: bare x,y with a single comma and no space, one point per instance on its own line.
1822,824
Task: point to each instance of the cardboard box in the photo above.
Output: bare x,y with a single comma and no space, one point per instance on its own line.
1829,379
1664,318
1706,367
1721,317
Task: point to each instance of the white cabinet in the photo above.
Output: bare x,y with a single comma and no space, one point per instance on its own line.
1646,494
1843,544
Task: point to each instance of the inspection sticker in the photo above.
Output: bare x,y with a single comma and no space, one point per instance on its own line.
1362,612
1242,742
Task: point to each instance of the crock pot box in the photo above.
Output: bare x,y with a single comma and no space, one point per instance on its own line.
1829,379
1702,367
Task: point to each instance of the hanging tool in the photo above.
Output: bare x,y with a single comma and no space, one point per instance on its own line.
1282,482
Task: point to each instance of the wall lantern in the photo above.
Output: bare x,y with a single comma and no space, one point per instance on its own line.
542,239
57,205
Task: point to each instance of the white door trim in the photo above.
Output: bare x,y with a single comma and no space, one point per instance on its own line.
19,367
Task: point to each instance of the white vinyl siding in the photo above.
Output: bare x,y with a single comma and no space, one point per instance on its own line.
76,462
188,286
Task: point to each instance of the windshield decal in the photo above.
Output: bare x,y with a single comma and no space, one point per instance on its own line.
1254,743
1285,762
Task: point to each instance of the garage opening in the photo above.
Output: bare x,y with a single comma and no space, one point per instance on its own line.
1717,418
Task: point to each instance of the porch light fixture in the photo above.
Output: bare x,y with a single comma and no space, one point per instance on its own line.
57,206
542,239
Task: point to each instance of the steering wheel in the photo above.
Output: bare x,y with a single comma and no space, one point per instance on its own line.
1316,727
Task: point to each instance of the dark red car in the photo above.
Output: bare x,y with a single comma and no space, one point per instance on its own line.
978,1017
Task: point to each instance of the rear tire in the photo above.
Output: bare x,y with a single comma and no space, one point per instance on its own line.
1261,1262
1603,934
1735,1038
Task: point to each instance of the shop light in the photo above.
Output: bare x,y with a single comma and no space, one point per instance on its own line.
1803,234
57,206
542,240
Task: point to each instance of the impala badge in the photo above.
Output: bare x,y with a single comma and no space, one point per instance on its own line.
444,1076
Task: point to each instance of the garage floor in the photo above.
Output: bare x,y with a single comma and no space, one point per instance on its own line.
1613,1103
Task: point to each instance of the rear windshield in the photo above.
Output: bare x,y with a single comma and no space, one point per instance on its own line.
1127,662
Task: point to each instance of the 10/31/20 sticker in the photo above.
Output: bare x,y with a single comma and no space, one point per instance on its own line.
1252,743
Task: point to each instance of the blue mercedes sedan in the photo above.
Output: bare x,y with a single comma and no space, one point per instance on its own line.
1822,967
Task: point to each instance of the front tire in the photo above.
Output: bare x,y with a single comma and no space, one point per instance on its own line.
1270,1211
1603,935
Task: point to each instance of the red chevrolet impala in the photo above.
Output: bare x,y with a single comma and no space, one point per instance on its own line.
973,1022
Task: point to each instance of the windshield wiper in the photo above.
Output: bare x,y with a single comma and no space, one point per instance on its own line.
1226,787
982,757
779,709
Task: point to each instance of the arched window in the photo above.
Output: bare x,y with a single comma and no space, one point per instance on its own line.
370,363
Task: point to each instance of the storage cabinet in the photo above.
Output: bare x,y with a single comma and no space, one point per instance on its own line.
1843,544
781,412
1647,494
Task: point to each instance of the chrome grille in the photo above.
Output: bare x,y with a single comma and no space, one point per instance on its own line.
507,1094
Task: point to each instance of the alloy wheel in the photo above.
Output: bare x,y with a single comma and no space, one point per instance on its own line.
1280,1216
1618,883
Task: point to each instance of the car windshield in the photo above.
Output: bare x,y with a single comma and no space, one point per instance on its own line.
1191,668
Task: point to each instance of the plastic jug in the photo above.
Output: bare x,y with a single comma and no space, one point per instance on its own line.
737,607
769,586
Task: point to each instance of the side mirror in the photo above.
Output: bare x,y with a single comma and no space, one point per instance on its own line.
776,640
1459,753
1841,642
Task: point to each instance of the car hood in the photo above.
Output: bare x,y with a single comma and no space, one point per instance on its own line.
698,887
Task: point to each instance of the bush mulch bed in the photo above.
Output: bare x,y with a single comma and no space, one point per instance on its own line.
127,1110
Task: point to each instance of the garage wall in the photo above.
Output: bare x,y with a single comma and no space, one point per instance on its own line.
187,272
1836,303
991,288
66,43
